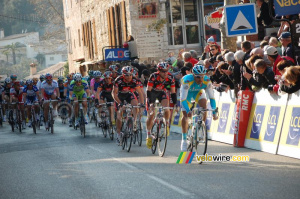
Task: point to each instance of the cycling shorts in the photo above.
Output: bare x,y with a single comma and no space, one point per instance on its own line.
194,96
128,97
107,96
79,96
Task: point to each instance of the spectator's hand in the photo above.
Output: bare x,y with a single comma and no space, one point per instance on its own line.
206,49
247,75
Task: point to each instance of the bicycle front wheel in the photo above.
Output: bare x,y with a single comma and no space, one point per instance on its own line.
154,131
200,139
33,123
82,123
162,138
11,120
139,133
19,119
51,122
129,134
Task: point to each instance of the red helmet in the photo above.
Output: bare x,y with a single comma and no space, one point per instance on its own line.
127,70
107,74
162,66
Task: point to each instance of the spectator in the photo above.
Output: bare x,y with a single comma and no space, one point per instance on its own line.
274,42
286,41
246,47
275,58
243,83
188,58
226,81
263,44
263,75
263,18
291,80
220,58
194,54
260,52
282,65
171,59
186,70
207,53
250,62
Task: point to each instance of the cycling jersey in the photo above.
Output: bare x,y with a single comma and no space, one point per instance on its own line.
78,90
38,85
105,86
61,91
125,87
17,94
190,90
31,94
6,90
160,84
49,88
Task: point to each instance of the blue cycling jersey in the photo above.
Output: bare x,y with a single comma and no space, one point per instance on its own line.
189,89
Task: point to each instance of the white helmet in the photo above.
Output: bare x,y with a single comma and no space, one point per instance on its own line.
77,77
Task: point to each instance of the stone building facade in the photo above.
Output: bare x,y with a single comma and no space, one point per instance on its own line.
157,26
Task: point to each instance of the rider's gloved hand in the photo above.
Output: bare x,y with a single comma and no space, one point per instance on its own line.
142,105
121,105
58,98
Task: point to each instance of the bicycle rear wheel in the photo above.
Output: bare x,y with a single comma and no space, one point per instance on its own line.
111,131
154,140
200,140
129,134
162,138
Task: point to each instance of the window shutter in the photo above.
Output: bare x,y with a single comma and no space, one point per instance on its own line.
95,38
117,15
112,25
109,27
124,22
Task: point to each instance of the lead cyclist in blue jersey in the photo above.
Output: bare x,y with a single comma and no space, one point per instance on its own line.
193,87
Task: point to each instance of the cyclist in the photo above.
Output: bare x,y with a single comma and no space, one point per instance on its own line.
136,75
79,90
31,95
13,78
95,82
123,91
16,95
114,69
104,93
49,90
156,89
67,92
35,81
6,96
38,85
193,86
61,87
90,77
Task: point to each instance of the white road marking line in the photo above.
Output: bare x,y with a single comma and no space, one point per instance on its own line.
161,181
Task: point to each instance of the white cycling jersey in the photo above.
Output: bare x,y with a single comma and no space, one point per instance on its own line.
49,88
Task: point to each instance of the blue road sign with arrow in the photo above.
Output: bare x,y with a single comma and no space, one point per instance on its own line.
240,20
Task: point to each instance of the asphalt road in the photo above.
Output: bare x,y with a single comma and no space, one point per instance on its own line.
66,165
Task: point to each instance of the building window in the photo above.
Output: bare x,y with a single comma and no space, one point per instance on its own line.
183,22
67,8
69,40
51,58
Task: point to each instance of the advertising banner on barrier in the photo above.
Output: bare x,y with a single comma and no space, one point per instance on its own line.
265,122
243,108
290,135
221,131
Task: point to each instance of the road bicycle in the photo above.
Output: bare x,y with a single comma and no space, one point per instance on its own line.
17,120
197,139
105,121
50,115
137,135
81,117
159,130
34,120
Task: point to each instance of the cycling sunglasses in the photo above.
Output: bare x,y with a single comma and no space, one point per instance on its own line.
163,71
199,76
128,75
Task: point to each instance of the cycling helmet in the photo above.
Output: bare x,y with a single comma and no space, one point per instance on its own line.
97,73
48,76
60,81
77,77
199,69
70,76
127,70
22,83
60,78
42,77
162,66
35,79
7,80
113,68
108,74
91,73
29,81
13,76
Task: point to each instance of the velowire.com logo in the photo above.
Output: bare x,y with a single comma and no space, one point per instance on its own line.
187,158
